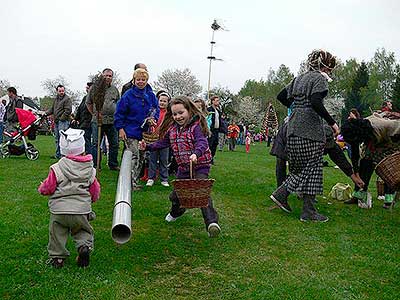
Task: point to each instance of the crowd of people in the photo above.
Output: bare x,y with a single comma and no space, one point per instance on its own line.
190,132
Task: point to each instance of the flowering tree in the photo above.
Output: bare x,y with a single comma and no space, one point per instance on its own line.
178,83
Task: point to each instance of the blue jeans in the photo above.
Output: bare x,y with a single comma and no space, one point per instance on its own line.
58,126
112,136
161,156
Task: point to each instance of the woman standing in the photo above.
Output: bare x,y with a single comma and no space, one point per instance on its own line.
306,137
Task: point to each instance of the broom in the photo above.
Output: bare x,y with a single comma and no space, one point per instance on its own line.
99,91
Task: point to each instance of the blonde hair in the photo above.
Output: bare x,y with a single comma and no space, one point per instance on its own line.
140,71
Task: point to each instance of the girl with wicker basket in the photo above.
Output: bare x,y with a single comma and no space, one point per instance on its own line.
380,138
136,110
159,158
185,130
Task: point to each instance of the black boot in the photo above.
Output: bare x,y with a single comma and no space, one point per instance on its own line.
309,212
280,198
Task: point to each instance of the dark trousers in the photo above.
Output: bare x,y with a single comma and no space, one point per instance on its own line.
280,171
213,141
112,136
367,168
232,144
210,215
88,139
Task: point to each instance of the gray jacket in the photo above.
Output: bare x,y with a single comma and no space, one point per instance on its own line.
61,109
110,103
72,195
304,120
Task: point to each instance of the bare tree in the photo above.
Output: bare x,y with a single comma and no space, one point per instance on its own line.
117,81
4,85
224,94
178,82
50,87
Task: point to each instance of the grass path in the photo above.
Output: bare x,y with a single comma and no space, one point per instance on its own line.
261,253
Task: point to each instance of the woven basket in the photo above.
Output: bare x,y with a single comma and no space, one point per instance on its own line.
150,137
389,170
380,187
193,193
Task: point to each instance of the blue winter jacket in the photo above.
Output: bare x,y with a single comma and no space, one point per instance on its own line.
133,108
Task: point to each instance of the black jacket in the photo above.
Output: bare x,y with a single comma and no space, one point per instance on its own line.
82,115
211,111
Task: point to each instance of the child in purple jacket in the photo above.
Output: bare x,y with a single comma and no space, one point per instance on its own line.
185,130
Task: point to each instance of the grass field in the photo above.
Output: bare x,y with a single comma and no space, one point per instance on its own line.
260,254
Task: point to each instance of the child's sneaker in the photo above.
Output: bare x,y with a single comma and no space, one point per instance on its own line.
136,187
170,218
150,182
57,263
83,256
389,201
213,230
165,183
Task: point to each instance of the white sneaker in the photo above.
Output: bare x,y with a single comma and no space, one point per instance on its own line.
213,230
170,218
164,183
150,182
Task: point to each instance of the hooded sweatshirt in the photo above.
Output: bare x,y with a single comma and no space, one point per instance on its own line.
75,185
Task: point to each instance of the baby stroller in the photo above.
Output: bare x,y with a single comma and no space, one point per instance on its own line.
16,143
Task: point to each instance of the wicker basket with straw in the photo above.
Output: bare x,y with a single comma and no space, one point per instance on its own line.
150,137
193,193
389,170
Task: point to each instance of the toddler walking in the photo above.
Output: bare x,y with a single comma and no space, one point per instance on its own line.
248,142
185,129
71,186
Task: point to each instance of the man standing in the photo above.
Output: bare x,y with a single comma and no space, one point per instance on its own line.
11,115
233,134
106,115
61,111
216,121
83,119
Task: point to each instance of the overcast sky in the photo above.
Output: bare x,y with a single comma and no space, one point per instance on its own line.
45,38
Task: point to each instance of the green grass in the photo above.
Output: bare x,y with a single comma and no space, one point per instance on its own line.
261,253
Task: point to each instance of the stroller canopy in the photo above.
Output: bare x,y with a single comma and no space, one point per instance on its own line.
25,117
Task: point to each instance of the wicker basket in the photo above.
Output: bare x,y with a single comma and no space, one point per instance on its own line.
150,137
380,187
193,193
389,170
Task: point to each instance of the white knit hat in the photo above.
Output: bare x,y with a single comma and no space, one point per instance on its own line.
72,141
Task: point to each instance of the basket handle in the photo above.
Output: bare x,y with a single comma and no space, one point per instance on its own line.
191,169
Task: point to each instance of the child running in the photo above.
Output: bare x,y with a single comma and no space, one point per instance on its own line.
71,186
185,129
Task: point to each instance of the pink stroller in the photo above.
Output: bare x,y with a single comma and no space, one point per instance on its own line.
16,143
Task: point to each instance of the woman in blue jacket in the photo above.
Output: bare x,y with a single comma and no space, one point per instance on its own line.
136,110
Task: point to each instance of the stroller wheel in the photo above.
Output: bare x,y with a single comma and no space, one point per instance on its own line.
4,153
32,153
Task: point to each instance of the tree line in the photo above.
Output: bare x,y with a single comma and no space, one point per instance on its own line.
357,84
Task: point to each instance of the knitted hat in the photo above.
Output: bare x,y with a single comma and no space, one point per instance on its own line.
72,142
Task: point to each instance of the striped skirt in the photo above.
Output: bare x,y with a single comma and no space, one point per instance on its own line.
305,166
